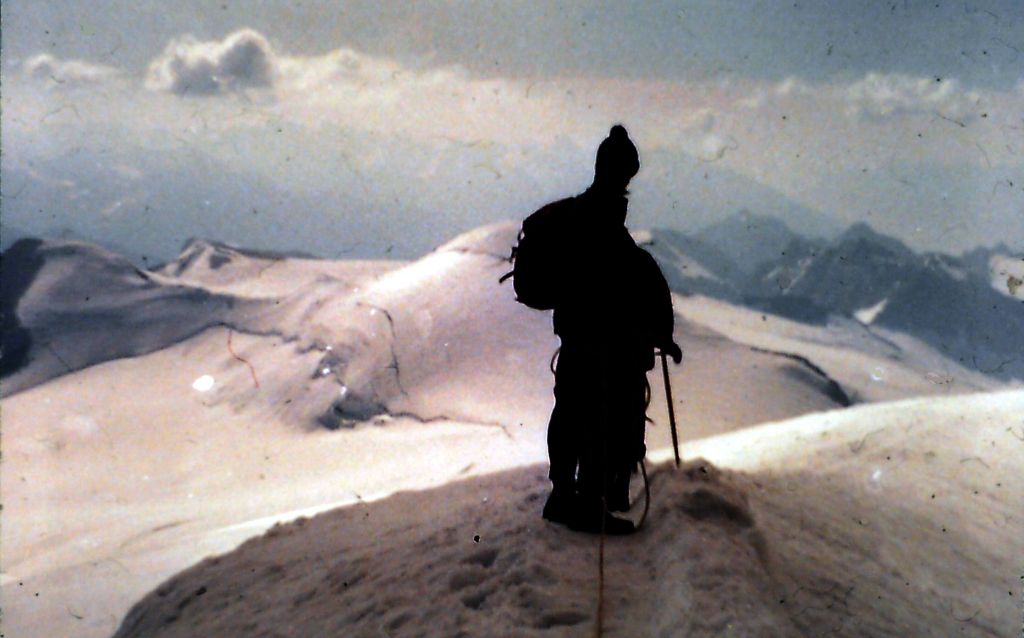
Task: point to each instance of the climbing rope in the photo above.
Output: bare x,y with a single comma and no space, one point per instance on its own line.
599,621
599,626
647,495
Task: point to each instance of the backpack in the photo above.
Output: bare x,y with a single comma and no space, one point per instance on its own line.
538,257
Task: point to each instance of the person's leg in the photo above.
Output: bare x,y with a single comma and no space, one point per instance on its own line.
562,456
593,481
564,437
563,453
593,435
627,435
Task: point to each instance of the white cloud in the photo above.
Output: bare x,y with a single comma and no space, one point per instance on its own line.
410,136
244,59
883,95
336,69
343,88
793,86
714,146
54,72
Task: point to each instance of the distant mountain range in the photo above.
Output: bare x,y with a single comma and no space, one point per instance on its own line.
144,207
144,204
970,307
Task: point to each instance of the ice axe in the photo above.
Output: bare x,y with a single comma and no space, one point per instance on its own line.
671,407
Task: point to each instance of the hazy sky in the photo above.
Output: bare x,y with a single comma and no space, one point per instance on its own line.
348,128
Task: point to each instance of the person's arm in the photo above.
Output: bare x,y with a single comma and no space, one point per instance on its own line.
662,315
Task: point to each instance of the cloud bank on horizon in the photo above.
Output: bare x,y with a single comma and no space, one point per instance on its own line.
357,151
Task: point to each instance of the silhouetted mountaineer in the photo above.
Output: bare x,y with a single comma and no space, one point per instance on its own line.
612,308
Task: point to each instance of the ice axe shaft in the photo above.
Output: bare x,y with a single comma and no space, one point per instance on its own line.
671,407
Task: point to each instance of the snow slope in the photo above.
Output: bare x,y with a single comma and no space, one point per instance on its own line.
78,305
893,519
870,363
324,383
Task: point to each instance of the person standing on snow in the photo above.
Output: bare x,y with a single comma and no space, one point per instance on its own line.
612,308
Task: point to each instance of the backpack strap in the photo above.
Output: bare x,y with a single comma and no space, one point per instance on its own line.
512,260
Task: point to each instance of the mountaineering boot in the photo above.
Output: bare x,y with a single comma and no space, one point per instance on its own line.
591,517
561,505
